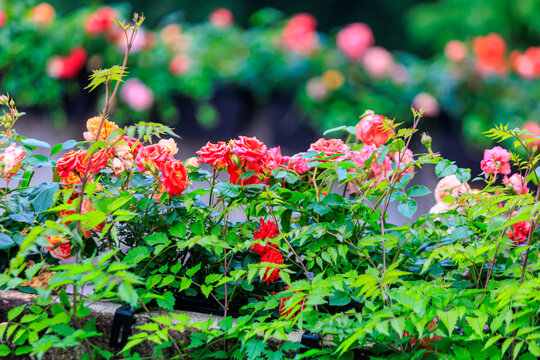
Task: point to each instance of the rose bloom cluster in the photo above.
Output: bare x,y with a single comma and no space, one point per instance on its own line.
240,157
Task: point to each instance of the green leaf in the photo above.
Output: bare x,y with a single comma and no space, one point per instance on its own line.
463,175
227,189
4,350
407,207
254,348
6,241
445,168
226,323
178,230
127,293
35,142
339,298
167,302
193,270
135,255
44,200
16,311
155,239
461,232
418,190
477,324
449,319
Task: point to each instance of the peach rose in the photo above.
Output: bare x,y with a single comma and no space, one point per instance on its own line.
455,51
42,14
10,161
92,125
179,64
170,145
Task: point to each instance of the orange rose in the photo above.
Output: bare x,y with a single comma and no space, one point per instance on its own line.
174,177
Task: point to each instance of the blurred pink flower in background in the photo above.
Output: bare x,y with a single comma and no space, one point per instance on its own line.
139,43
455,51
179,64
354,40
399,74
526,64
316,90
222,18
534,129
3,18
426,102
299,34
490,54
137,95
378,62
101,21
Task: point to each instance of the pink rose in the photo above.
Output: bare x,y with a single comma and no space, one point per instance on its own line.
10,161
496,161
374,130
354,40
274,159
455,51
378,62
137,95
331,147
426,102
406,158
100,21
517,183
376,171
222,18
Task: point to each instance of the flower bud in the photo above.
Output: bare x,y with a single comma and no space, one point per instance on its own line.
426,141
4,99
236,160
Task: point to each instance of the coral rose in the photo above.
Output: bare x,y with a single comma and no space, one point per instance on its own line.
249,148
179,64
217,155
174,177
10,161
331,147
69,162
99,160
496,161
354,40
374,130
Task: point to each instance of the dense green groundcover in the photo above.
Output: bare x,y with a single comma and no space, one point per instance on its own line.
276,244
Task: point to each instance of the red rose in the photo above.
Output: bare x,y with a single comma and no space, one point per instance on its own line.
152,157
101,21
266,230
250,149
425,343
58,249
174,177
236,173
216,155
271,256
